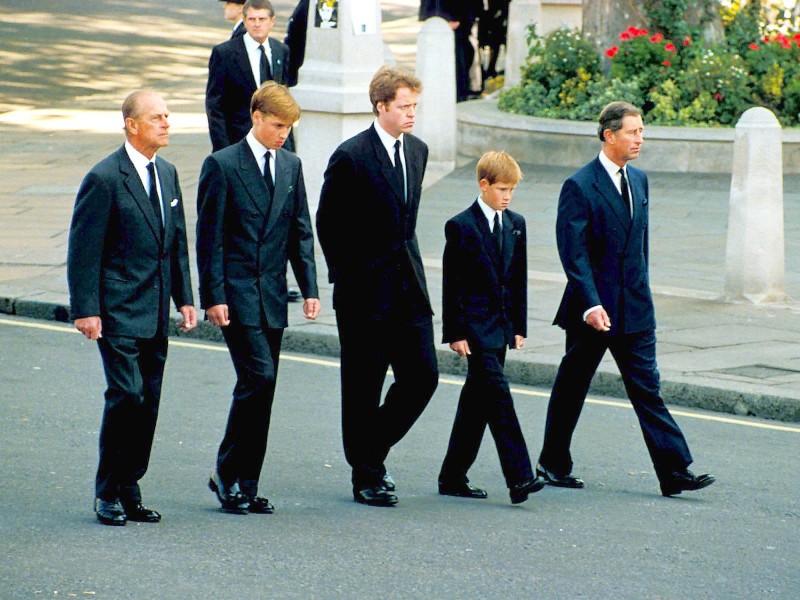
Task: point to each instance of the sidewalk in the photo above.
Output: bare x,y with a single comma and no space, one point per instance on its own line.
733,358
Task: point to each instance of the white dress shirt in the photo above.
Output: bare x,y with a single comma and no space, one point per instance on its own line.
489,213
260,151
254,55
388,143
140,162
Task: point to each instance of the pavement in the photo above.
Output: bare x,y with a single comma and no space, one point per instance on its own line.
735,358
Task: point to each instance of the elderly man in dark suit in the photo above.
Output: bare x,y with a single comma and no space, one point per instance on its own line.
252,220
366,223
127,255
237,68
602,237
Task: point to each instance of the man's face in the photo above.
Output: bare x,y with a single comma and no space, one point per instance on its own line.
258,23
398,116
233,11
624,144
270,131
149,131
498,194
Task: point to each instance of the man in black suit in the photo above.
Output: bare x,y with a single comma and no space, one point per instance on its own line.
485,310
295,38
461,15
366,224
233,13
252,220
602,236
127,255
237,68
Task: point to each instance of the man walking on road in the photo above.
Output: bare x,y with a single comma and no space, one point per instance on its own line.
366,224
602,238
127,255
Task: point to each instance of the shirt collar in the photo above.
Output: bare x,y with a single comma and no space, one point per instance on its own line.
488,211
386,139
610,166
257,148
138,159
252,46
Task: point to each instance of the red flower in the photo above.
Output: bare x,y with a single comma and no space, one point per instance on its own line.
754,46
612,52
718,97
785,43
687,41
656,38
625,36
765,39
796,37
666,63
670,47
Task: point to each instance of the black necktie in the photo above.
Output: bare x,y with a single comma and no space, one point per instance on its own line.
264,70
268,174
398,169
154,199
497,232
626,198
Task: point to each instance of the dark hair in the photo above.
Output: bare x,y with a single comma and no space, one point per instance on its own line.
385,83
611,117
258,4
272,98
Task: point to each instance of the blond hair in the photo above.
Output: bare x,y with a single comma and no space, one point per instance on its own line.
272,98
498,167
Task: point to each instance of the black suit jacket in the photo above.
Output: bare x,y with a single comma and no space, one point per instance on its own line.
465,11
366,230
231,86
243,246
603,251
118,265
296,33
484,292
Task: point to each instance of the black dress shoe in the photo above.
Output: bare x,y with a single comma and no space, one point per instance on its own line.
567,481
109,513
520,492
140,513
685,481
375,496
230,498
260,505
463,490
293,295
388,483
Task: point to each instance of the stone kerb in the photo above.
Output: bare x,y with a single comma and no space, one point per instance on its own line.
482,126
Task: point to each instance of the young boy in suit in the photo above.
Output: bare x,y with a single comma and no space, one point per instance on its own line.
484,310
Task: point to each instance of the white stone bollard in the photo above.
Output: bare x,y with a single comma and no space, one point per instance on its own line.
754,262
436,114
521,13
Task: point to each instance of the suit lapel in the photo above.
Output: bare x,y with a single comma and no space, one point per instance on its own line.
133,184
283,189
252,178
386,165
508,242
168,194
612,197
242,61
277,60
489,245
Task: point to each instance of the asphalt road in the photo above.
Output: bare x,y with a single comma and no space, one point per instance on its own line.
617,538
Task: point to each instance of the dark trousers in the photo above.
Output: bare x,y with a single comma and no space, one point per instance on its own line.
465,55
635,355
370,428
486,400
134,370
255,352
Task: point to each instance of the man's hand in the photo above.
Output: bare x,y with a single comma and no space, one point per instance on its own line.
461,347
311,308
598,319
91,327
218,315
519,342
189,314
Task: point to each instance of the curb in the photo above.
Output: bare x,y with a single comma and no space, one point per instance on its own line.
315,339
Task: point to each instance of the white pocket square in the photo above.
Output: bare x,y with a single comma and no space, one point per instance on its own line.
174,203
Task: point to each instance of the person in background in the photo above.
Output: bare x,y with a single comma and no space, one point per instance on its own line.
233,13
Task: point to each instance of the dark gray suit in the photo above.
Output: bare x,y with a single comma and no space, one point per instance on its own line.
605,256
230,86
244,243
121,268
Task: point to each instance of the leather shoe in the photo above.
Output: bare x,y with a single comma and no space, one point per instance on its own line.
109,513
566,481
519,493
388,483
293,295
260,505
140,513
230,498
375,496
463,490
685,481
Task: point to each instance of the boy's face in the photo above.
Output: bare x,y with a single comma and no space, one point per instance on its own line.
498,194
